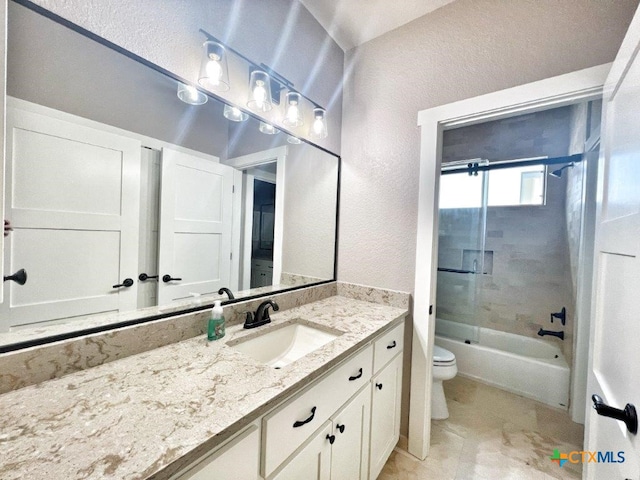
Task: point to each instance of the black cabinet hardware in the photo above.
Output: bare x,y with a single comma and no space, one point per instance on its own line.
300,423
143,277
331,438
351,379
340,428
127,282
169,278
20,277
379,386
628,415
391,345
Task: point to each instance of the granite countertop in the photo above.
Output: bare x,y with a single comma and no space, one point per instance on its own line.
151,414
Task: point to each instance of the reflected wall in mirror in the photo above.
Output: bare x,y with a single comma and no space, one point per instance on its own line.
127,202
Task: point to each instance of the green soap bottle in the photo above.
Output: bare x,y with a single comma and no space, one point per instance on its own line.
215,331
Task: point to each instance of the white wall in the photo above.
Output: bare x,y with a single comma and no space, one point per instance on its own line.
309,213
279,33
465,49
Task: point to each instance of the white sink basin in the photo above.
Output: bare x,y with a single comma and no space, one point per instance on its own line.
283,345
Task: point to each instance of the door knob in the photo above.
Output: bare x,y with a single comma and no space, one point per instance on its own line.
20,277
143,277
169,278
628,415
127,282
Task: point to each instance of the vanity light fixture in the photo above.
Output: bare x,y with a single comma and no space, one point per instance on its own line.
294,140
235,114
292,113
191,95
318,128
265,90
268,129
259,91
214,74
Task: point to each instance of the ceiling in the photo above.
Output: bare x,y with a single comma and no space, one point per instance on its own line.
354,22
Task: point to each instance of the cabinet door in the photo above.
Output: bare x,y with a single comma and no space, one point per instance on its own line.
239,458
311,462
385,414
350,452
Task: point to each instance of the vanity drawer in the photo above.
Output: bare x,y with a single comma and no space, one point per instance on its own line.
387,347
289,425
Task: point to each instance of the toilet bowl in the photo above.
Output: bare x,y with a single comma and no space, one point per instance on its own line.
444,368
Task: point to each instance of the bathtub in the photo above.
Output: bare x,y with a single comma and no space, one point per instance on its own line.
529,367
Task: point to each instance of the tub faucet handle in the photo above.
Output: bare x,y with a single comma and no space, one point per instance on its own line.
561,315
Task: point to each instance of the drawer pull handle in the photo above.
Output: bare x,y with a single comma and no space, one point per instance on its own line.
391,345
331,438
351,379
340,428
299,423
379,386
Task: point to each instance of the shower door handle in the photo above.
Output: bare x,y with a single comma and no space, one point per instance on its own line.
628,415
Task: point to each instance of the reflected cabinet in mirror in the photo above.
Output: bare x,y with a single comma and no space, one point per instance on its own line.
126,202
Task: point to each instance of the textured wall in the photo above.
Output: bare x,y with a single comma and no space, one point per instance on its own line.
308,243
279,33
464,49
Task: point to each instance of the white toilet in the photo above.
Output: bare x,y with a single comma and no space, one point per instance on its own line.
444,368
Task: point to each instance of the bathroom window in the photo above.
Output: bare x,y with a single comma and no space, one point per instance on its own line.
505,187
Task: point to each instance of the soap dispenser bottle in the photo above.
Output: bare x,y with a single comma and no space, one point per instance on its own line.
215,331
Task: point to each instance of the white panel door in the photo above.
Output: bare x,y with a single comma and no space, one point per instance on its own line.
614,373
196,205
72,196
312,461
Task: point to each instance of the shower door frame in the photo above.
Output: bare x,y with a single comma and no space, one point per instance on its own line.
567,89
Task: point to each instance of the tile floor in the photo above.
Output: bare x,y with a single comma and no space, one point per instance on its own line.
491,434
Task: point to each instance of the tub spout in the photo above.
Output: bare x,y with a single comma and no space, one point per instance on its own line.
543,332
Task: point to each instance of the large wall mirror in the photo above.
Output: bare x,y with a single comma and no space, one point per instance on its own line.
127,203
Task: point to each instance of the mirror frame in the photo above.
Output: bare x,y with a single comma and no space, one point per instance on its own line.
144,319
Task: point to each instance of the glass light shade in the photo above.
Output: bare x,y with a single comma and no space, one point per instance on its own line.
292,113
191,95
318,128
235,114
259,91
214,74
268,129
293,140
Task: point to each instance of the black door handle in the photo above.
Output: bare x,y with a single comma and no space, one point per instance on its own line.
351,379
379,386
143,277
391,345
169,278
300,423
628,415
127,282
20,277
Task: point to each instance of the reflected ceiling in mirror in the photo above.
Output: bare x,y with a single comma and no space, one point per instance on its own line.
110,176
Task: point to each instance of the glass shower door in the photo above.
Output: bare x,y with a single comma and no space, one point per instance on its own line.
461,253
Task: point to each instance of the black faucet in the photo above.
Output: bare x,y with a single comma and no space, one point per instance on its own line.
261,316
543,332
561,315
224,290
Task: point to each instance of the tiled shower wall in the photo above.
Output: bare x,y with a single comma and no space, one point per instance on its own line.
531,263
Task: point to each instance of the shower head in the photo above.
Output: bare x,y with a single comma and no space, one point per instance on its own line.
558,173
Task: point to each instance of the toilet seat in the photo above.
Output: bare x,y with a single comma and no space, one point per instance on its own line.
443,357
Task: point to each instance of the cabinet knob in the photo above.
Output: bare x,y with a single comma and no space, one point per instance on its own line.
20,277
340,428
379,386
331,438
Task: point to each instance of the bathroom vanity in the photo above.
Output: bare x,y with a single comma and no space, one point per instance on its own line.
194,407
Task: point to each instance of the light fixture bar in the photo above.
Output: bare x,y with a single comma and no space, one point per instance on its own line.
272,73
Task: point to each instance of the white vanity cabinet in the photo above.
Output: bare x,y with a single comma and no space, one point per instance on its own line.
238,458
385,398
